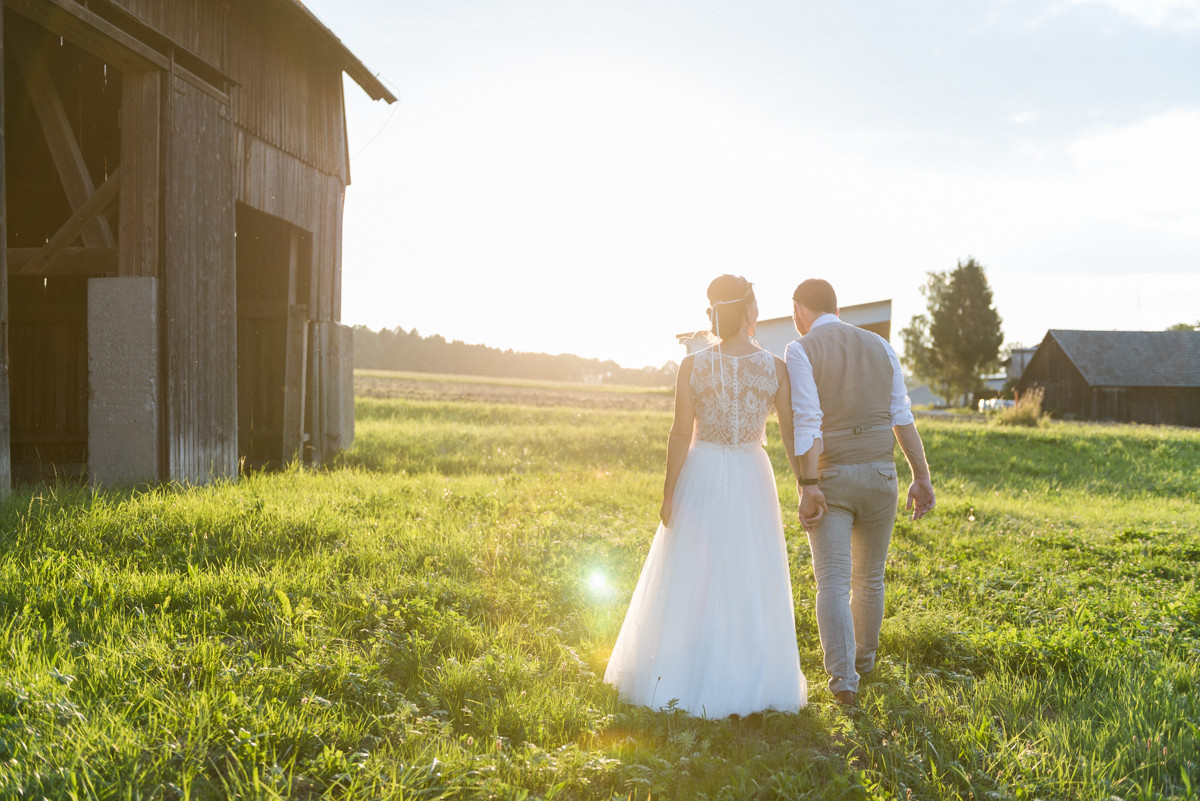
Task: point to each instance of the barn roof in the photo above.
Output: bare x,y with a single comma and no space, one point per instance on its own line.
348,61
1133,358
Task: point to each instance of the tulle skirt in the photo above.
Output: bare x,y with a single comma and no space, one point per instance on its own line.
710,625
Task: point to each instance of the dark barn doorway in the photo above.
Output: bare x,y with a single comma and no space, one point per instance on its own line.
62,141
274,264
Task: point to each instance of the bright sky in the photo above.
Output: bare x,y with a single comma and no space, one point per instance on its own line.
567,176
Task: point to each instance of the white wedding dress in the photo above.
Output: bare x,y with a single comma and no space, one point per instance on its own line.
710,626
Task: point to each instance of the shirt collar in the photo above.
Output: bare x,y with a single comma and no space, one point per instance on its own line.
824,319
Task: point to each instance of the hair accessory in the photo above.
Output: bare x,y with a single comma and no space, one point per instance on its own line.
749,293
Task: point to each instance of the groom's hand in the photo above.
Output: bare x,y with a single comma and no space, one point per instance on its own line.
920,498
812,507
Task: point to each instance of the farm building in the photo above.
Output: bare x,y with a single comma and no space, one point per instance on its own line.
775,333
1122,376
173,175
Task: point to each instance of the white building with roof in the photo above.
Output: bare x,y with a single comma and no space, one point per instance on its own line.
775,333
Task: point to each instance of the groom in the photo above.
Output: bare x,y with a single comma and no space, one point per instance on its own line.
848,402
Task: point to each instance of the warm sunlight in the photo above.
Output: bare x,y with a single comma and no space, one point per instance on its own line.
568,178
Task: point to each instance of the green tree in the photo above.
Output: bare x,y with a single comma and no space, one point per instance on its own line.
1185,327
959,338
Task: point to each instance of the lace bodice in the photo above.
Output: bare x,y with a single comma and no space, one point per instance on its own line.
732,396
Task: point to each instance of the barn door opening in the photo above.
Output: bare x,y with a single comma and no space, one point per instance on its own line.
273,267
62,152
48,342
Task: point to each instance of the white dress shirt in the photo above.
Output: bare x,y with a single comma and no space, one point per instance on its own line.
806,403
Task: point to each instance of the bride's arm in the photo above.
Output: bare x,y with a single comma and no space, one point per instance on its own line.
682,428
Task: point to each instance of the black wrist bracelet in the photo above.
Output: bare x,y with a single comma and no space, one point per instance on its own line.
807,482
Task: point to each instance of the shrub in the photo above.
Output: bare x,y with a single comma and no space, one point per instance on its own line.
1026,412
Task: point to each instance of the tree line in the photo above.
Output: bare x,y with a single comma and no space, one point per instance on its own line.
397,349
952,346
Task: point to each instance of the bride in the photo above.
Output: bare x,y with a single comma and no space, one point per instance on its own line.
710,626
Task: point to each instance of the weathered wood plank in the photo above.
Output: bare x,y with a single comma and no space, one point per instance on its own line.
293,266
71,261
5,399
200,290
294,383
87,30
345,386
109,43
316,370
141,115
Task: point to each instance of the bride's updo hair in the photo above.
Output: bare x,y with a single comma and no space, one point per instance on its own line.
729,296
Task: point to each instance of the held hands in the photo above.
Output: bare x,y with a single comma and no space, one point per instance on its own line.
812,507
920,498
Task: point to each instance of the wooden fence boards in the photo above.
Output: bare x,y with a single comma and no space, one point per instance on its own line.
5,403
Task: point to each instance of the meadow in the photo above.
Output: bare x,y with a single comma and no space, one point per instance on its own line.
430,616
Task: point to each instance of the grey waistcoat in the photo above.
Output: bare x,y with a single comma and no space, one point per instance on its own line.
854,382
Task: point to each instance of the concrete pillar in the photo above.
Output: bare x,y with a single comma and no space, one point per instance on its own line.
123,427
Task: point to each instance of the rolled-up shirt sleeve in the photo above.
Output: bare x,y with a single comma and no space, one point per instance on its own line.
806,403
901,406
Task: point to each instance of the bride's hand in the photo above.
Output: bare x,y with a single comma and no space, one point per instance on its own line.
812,507
664,514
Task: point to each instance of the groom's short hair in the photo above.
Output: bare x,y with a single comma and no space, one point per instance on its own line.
817,294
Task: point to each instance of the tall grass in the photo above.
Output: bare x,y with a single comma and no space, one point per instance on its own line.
1027,411
429,618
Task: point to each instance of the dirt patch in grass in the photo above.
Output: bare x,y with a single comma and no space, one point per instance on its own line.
372,386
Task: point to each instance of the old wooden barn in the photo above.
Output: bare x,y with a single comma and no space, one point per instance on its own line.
173,176
1122,376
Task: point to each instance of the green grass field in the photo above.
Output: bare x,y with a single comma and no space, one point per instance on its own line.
430,617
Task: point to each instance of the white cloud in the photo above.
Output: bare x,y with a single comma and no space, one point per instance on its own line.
1155,13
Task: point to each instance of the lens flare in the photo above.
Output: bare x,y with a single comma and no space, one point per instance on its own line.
598,585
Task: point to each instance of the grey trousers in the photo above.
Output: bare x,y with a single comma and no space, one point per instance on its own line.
849,551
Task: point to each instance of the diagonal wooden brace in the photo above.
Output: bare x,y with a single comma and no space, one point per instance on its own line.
100,200
60,138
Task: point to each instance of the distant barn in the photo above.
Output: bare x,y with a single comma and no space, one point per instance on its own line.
173,173
775,333
1122,376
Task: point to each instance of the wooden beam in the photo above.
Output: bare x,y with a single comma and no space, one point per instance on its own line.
71,261
112,45
83,28
185,58
102,198
141,114
5,400
64,147
294,383
293,263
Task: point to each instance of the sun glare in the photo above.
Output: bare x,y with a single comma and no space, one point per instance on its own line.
598,586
